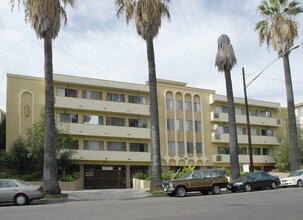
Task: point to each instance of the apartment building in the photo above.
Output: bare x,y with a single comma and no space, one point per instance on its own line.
299,114
110,120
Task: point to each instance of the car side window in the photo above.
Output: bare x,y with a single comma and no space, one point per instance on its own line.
216,173
197,175
206,174
264,175
7,184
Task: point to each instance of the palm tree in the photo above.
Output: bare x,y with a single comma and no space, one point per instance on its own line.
225,60
279,29
45,17
147,15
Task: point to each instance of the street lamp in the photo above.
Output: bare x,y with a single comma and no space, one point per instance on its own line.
250,149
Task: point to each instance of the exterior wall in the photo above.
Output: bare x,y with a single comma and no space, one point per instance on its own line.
195,110
299,114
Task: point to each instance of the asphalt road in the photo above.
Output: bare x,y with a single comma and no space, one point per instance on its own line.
266,205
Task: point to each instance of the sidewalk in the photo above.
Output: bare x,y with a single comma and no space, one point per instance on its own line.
107,194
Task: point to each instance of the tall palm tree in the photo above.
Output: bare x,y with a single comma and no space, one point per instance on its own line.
225,60
45,17
279,29
147,15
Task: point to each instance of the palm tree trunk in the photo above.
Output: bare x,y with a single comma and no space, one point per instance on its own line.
233,140
156,173
50,176
293,136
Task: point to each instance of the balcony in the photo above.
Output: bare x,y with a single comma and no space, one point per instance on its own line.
241,119
243,139
224,158
108,131
98,105
125,156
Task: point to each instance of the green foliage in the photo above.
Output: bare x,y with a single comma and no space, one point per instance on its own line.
225,171
68,178
143,175
2,133
281,152
36,176
27,155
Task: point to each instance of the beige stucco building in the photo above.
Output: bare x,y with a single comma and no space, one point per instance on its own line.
110,120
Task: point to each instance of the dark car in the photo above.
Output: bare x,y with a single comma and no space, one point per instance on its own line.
256,180
198,180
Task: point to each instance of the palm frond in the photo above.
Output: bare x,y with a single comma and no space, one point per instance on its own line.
225,59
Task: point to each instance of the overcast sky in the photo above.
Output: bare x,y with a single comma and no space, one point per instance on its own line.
96,44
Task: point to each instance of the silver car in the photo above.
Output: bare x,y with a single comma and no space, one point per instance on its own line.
19,192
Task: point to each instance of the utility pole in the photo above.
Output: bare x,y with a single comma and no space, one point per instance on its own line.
250,150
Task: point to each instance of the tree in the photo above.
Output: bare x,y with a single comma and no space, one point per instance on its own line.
281,152
279,29
26,155
225,60
2,134
147,15
45,17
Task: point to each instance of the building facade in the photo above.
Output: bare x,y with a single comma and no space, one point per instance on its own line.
299,114
110,120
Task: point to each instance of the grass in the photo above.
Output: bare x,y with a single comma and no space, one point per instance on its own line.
56,196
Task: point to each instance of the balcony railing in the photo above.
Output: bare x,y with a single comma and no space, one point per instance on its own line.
225,158
243,139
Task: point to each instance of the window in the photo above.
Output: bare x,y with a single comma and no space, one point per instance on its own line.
115,97
223,150
91,95
266,114
190,147
240,111
170,124
265,151
181,148
241,131
255,131
197,107
189,125
221,109
67,118
137,99
169,104
7,184
254,112
256,151
197,126
179,125
139,123
138,147
222,129
199,148
92,119
93,145
242,151
179,105
188,106
300,112
266,132
171,147
67,92
115,121
116,146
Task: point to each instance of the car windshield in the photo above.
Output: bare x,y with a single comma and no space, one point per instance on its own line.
186,175
295,173
22,182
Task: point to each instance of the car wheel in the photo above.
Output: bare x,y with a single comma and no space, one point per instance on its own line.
171,194
181,191
216,190
204,192
20,199
299,183
247,187
273,185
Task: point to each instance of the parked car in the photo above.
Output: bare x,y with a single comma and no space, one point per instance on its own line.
256,180
19,192
295,178
198,180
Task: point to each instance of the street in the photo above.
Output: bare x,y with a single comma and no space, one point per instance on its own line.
266,204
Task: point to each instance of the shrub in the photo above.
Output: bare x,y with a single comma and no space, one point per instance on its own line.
68,178
142,176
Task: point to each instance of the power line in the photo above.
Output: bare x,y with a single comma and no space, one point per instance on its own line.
281,80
